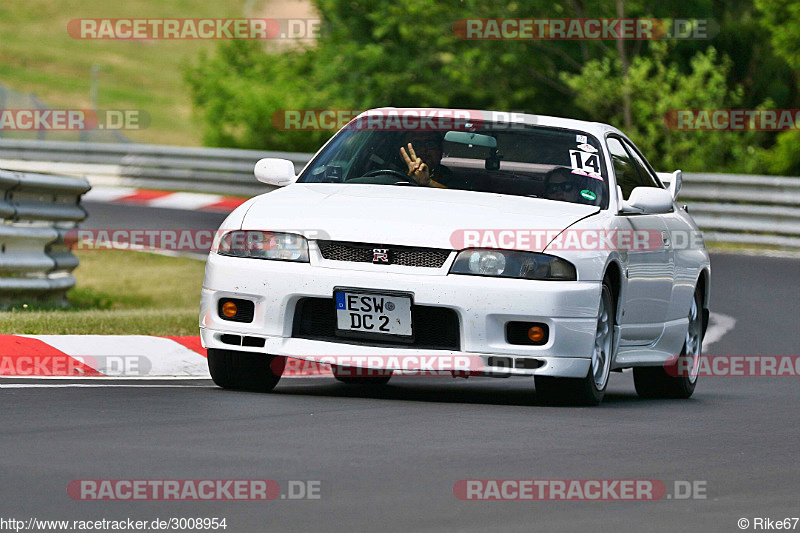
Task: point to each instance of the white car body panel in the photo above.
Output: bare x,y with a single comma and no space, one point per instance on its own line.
413,216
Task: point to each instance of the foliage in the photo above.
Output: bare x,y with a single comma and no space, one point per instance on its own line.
658,87
406,54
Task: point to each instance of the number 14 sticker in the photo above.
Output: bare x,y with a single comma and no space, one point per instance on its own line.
584,161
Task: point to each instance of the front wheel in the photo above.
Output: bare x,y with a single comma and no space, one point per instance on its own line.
244,370
678,378
591,389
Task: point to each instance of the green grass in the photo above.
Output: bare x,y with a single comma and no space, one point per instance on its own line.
37,55
720,246
118,293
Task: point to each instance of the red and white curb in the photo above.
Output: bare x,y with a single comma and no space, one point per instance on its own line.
113,356
191,201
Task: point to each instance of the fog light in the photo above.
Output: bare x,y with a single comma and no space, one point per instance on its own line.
236,309
229,309
527,333
536,333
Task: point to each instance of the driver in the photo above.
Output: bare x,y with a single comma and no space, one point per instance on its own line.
424,157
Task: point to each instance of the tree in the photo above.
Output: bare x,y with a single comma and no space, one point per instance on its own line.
658,87
406,54
781,18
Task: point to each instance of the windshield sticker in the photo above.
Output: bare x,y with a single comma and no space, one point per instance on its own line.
585,161
589,195
587,148
588,174
581,139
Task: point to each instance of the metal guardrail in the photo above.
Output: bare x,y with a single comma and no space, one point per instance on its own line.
745,209
213,170
37,211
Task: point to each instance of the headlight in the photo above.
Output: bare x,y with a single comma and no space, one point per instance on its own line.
264,245
510,264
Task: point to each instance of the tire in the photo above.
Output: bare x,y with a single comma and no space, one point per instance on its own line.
679,378
590,389
350,375
244,370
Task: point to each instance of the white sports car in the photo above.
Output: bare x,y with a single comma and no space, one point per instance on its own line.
509,245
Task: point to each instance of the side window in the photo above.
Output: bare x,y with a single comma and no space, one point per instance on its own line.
624,167
648,180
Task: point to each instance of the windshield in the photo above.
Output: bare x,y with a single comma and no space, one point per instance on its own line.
555,164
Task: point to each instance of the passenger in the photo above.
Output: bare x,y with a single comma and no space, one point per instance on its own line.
566,185
561,185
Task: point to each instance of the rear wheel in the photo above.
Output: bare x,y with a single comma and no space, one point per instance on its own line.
678,379
361,376
591,389
244,370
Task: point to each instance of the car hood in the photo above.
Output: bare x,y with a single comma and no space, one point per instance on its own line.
411,216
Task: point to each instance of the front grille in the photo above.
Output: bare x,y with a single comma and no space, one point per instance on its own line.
434,327
357,252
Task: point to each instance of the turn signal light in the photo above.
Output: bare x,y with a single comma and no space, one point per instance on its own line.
527,333
229,309
536,333
236,309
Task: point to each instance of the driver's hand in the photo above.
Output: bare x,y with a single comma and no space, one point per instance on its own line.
417,169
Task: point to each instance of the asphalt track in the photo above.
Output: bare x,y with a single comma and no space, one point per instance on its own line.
388,457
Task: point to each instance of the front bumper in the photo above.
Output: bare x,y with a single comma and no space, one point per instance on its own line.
483,305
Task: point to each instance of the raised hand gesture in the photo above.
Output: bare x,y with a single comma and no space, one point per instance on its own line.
417,168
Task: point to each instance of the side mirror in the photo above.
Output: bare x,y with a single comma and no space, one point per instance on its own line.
673,181
277,172
647,200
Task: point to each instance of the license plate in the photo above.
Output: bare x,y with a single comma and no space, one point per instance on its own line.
373,314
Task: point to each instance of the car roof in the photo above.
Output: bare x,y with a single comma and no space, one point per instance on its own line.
598,129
